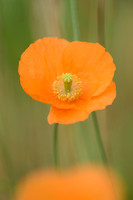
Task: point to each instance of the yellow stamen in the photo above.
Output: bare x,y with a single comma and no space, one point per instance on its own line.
67,87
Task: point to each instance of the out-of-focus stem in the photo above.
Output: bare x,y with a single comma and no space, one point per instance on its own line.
101,4
101,36
74,19
101,22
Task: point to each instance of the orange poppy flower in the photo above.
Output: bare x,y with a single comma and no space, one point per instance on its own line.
74,77
85,183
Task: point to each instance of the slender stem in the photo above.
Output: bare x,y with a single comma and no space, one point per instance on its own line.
99,140
56,144
101,40
101,37
101,22
101,13
74,20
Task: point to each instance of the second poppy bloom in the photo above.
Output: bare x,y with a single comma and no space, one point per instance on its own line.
74,77
82,183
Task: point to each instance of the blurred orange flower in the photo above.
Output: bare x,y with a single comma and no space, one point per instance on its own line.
85,183
74,77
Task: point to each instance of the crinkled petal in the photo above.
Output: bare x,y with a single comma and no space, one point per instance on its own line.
74,115
66,116
106,98
91,63
39,67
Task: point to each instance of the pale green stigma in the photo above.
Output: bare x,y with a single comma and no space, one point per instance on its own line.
67,80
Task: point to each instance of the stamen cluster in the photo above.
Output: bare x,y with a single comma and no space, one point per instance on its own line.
67,87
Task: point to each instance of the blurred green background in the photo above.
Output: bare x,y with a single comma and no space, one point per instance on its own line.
26,138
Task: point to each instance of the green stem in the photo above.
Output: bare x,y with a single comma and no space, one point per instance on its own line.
74,20
101,17
99,140
101,40
55,144
101,22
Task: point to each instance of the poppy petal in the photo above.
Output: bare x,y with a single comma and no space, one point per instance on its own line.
91,63
39,66
104,99
71,116
66,116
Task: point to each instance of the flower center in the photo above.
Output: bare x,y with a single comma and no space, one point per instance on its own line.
67,87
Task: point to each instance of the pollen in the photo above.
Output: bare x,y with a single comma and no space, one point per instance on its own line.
67,87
